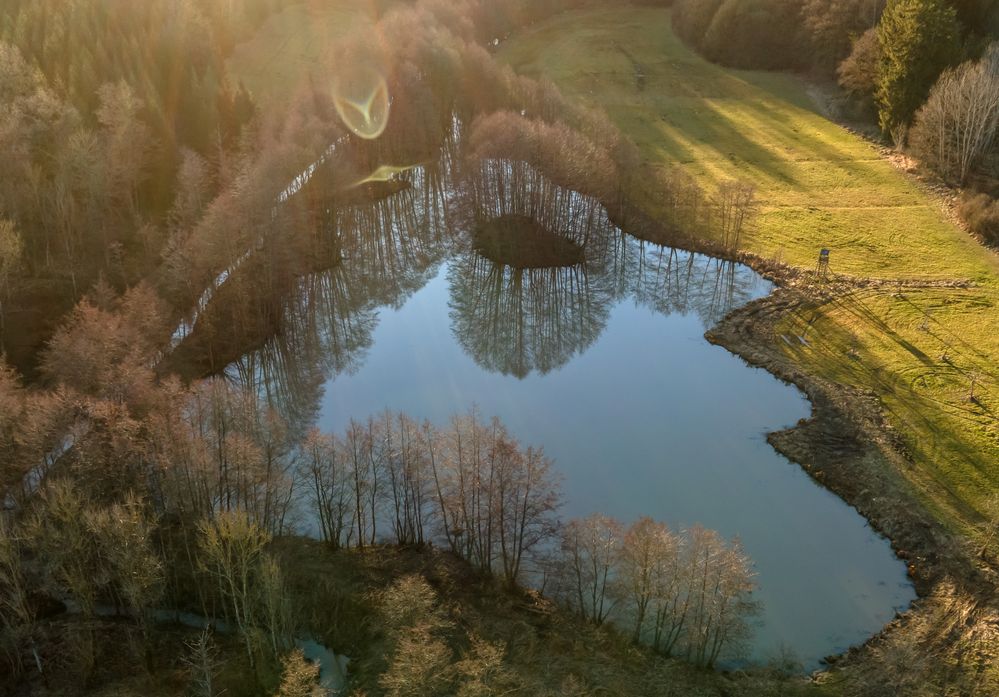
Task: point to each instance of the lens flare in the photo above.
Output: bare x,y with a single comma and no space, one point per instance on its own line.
385,173
362,100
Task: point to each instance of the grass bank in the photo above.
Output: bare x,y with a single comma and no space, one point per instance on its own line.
887,348
820,186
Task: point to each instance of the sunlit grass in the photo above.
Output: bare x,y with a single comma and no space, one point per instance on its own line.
819,186
919,350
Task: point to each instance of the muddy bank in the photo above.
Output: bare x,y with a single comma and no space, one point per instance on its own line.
848,446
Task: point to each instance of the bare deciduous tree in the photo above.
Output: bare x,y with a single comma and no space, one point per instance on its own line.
720,583
324,471
228,452
496,501
648,565
687,594
858,73
231,547
959,122
123,534
591,552
11,248
735,206
203,663
64,543
275,608
408,470
364,445
126,140
16,613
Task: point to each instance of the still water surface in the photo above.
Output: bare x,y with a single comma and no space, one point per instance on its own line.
603,363
647,419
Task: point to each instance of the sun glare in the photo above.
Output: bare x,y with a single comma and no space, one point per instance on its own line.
362,100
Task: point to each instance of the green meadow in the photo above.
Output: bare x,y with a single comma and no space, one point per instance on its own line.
819,186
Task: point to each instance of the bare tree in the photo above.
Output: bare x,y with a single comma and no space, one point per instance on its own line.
65,544
687,594
831,25
527,498
12,424
408,471
735,206
591,553
364,445
17,616
11,248
193,189
648,564
497,502
671,595
275,608
958,124
324,472
720,585
123,533
126,140
231,547
235,453
858,73
203,663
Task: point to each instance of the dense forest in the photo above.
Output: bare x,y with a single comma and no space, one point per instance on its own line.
153,220
142,174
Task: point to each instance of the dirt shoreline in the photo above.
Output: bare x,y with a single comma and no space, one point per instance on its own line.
847,446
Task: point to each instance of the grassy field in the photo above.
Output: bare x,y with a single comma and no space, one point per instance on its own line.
920,350
293,46
820,186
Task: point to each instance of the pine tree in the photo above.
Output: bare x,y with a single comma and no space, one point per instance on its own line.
919,38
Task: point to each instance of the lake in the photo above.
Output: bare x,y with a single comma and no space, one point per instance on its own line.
604,364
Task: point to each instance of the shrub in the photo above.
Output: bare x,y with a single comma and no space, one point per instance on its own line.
691,19
980,212
760,34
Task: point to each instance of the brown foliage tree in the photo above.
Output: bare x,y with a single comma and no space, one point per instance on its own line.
858,73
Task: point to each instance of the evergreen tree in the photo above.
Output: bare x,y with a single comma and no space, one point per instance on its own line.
919,38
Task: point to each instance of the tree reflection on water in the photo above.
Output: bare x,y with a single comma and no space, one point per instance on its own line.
510,318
